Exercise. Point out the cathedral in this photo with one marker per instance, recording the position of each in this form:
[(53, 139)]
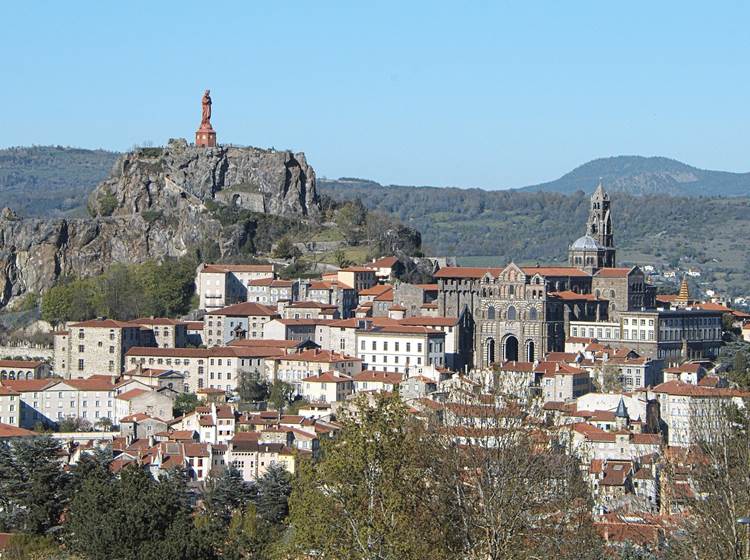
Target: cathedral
[(521, 313)]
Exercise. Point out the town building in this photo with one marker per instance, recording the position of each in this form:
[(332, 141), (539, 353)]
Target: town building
[(238, 321), (162, 332), (221, 285), (270, 291), (95, 347), (23, 369), (401, 349)]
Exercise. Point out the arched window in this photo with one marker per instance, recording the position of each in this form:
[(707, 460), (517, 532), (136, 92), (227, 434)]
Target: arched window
[(490, 312), (511, 290), (511, 313), (612, 294), (532, 314), (597, 293)]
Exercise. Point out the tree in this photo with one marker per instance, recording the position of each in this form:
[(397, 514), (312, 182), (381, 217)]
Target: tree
[(611, 379), (226, 493), (370, 496), (350, 219), (510, 497), (32, 484), (720, 477), (185, 403), (251, 388), (342, 261), (281, 394), (274, 488), (135, 517), (285, 249)]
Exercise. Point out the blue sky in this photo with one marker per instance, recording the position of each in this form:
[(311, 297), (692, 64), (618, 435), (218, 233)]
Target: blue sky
[(486, 94)]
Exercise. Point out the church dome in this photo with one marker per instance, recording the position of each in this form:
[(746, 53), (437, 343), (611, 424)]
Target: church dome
[(586, 243)]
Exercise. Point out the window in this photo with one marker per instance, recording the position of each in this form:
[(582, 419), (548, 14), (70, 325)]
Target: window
[(408, 346), (419, 346), (80, 348), (511, 313), (374, 345), (80, 365), (491, 313)]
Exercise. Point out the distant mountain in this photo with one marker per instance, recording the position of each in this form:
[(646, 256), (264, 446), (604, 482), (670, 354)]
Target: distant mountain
[(639, 175), (46, 181)]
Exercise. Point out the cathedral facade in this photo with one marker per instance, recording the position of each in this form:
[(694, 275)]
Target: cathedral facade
[(521, 313)]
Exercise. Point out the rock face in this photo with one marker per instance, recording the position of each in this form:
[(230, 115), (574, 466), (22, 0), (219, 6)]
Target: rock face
[(156, 203)]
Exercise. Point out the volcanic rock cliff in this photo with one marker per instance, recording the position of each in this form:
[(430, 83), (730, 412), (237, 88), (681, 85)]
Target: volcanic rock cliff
[(157, 203)]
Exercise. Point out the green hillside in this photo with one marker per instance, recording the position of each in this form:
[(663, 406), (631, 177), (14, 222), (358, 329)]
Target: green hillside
[(527, 226), (51, 180)]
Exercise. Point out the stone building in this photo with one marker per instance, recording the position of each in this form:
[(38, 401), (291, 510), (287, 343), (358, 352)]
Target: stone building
[(521, 313), (94, 347)]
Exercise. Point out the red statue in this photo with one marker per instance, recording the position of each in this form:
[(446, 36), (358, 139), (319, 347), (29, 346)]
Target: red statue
[(206, 113)]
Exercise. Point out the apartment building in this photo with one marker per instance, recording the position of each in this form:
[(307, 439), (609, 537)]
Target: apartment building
[(358, 277), (294, 368), (269, 291), (162, 332), (327, 387), (401, 349), (311, 310), (10, 406), (49, 401), (95, 347), (332, 292), (242, 320), (218, 367), (220, 285)]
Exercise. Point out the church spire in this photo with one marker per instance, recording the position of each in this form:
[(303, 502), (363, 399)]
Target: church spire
[(683, 298)]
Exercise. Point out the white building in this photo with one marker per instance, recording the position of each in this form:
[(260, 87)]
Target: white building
[(401, 349), (220, 285)]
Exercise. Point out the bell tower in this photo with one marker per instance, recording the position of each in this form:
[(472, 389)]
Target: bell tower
[(599, 226)]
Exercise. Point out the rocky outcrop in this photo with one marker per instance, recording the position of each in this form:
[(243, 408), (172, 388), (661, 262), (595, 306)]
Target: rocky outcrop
[(157, 203), (179, 174)]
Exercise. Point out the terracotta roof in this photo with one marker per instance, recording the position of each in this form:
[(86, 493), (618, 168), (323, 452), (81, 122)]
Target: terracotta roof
[(684, 368), (403, 329), (678, 388), (616, 473), (562, 271), (133, 393), (8, 431), (561, 356), (271, 283), (379, 377), (316, 355), (385, 262), (387, 295), (238, 268), (613, 272), (161, 321), (195, 449), (167, 352), (304, 322), (7, 391), (357, 269), (568, 295), (30, 385), (139, 417), (194, 325), (30, 364), (264, 342), (104, 324), (710, 381), (376, 290), (246, 309), (428, 287), (328, 377), (396, 307), (311, 305), (430, 321)]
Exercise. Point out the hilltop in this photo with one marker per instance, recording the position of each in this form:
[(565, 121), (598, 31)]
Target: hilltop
[(639, 175)]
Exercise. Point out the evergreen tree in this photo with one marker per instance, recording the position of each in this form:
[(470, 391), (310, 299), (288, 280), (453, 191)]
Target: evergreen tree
[(252, 389), (226, 494), (274, 489), (32, 484)]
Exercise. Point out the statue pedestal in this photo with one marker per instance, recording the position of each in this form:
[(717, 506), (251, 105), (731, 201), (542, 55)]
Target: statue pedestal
[(205, 137)]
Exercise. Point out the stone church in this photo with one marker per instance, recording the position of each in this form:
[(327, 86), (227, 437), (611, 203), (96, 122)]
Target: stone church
[(522, 313)]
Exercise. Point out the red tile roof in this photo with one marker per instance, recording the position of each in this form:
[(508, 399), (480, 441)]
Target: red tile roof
[(133, 393), (161, 321), (678, 388), (328, 377), (384, 262), (271, 282), (613, 272), (238, 268), (430, 321), (320, 356), (403, 329), (104, 324), (29, 364), (8, 431), (376, 290), (246, 309), (379, 377), (567, 295)]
